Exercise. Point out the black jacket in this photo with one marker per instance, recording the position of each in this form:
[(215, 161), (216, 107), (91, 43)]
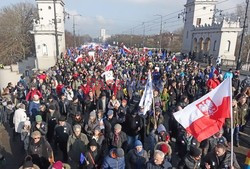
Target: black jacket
[(62, 133), (216, 162), (189, 163), (133, 125)]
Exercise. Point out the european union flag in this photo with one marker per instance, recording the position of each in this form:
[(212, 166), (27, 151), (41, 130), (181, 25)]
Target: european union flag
[(82, 158)]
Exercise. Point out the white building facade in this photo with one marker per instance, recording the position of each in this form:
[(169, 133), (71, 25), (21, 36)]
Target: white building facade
[(45, 33), (204, 36)]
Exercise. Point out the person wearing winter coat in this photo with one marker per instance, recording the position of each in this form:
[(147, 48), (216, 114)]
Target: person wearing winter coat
[(51, 120), (40, 150), (184, 142), (77, 144), (34, 107), (25, 135), (137, 157), (39, 125), (133, 126), (93, 156), (33, 91), (118, 138), (62, 132), (192, 160), (19, 118), (158, 162), (220, 158), (115, 159), (91, 124)]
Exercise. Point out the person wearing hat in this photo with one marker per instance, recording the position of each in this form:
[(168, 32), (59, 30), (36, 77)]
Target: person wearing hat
[(59, 165), (62, 132), (39, 125), (136, 157), (52, 120), (192, 159), (93, 155), (19, 118), (115, 159), (40, 150), (118, 138), (28, 164), (111, 118), (133, 125), (78, 119), (91, 124), (52, 101)]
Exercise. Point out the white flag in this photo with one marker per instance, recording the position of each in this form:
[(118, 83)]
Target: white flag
[(147, 97)]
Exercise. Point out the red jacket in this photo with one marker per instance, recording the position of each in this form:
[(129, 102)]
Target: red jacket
[(86, 89), (212, 83), (31, 94)]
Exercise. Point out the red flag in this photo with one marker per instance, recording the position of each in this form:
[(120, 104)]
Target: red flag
[(206, 116), (109, 65)]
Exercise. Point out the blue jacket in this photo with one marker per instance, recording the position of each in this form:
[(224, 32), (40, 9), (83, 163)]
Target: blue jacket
[(113, 163)]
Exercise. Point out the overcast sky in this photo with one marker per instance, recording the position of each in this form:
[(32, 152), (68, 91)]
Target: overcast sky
[(124, 16)]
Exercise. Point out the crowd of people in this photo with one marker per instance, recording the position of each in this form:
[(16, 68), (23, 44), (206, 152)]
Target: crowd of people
[(69, 116)]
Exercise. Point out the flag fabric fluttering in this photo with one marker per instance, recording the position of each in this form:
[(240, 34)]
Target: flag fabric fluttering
[(147, 97), (206, 116), (82, 158), (109, 65), (126, 50)]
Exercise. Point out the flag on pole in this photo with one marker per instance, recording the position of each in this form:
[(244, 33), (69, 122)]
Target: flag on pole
[(147, 97), (109, 78), (126, 49), (109, 65), (82, 158), (206, 116)]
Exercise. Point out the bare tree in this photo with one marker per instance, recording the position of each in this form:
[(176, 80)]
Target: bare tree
[(16, 41)]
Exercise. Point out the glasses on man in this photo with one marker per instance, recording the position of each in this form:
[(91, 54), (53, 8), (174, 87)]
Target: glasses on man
[(36, 138)]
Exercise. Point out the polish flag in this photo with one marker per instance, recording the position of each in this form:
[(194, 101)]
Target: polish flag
[(206, 116), (109, 65), (126, 49)]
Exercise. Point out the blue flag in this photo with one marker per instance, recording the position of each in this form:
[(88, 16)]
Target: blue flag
[(82, 158), (150, 53)]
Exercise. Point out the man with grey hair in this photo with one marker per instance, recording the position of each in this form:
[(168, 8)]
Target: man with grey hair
[(158, 162), (77, 144)]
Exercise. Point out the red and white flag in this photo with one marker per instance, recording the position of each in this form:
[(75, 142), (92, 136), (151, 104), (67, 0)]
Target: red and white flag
[(206, 116), (126, 49), (109, 65)]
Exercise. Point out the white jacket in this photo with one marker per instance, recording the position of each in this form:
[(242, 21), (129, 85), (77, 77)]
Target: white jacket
[(19, 118)]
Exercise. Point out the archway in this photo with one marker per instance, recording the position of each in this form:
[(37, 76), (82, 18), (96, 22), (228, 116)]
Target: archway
[(195, 45), (207, 44)]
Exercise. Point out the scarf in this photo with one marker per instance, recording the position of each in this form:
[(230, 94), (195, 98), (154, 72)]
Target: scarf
[(116, 139)]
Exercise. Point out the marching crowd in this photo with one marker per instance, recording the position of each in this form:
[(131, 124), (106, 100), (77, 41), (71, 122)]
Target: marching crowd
[(72, 110)]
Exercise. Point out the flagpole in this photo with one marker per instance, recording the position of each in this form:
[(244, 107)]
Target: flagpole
[(232, 129), (153, 101)]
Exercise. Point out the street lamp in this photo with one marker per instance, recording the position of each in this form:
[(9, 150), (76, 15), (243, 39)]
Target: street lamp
[(160, 30), (74, 26)]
